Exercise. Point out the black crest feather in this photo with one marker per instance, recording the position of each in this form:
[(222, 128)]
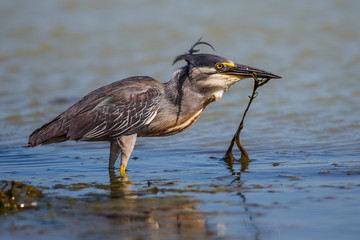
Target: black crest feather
[(191, 51)]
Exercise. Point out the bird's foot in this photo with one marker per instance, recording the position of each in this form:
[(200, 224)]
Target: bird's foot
[(123, 170)]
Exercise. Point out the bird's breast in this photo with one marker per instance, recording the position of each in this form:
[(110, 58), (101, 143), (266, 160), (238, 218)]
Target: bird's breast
[(166, 127), (168, 122), (186, 123)]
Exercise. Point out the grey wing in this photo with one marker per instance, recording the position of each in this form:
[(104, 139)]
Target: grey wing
[(116, 115)]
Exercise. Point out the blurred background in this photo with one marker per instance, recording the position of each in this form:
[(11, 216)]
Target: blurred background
[(54, 52)]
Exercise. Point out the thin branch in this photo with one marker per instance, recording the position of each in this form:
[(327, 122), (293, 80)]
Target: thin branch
[(244, 159)]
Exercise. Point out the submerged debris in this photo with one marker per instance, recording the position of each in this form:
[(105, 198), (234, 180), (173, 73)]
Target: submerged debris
[(17, 196)]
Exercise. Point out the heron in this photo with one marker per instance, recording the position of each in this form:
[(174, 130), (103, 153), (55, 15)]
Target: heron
[(142, 106)]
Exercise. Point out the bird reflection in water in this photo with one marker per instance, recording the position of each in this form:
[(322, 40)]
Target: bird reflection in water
[(140, 213)]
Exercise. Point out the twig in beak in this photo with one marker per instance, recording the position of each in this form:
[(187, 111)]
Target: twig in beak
[(244, 159)]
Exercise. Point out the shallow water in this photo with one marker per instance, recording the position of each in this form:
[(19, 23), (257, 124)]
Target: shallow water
[(302, 132)]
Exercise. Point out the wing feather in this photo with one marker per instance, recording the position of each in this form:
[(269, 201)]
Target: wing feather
[(116, 115)]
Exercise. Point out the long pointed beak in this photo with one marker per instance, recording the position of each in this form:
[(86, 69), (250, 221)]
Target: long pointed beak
[(247, 71)]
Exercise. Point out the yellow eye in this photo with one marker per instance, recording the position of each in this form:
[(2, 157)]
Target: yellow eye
[(219, 66)]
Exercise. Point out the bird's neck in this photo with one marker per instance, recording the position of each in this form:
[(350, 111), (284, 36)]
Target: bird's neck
[(180, 107), (183, 97)]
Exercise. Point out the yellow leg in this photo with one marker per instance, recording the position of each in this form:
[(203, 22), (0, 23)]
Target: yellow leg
[(123, 170)]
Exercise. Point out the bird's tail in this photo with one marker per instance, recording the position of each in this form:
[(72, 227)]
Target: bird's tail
[(50, 132)]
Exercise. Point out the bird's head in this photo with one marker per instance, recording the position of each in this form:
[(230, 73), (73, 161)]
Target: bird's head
[(213, 75)]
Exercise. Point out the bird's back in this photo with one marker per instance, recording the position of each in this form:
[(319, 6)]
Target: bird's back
[(120, 108)]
